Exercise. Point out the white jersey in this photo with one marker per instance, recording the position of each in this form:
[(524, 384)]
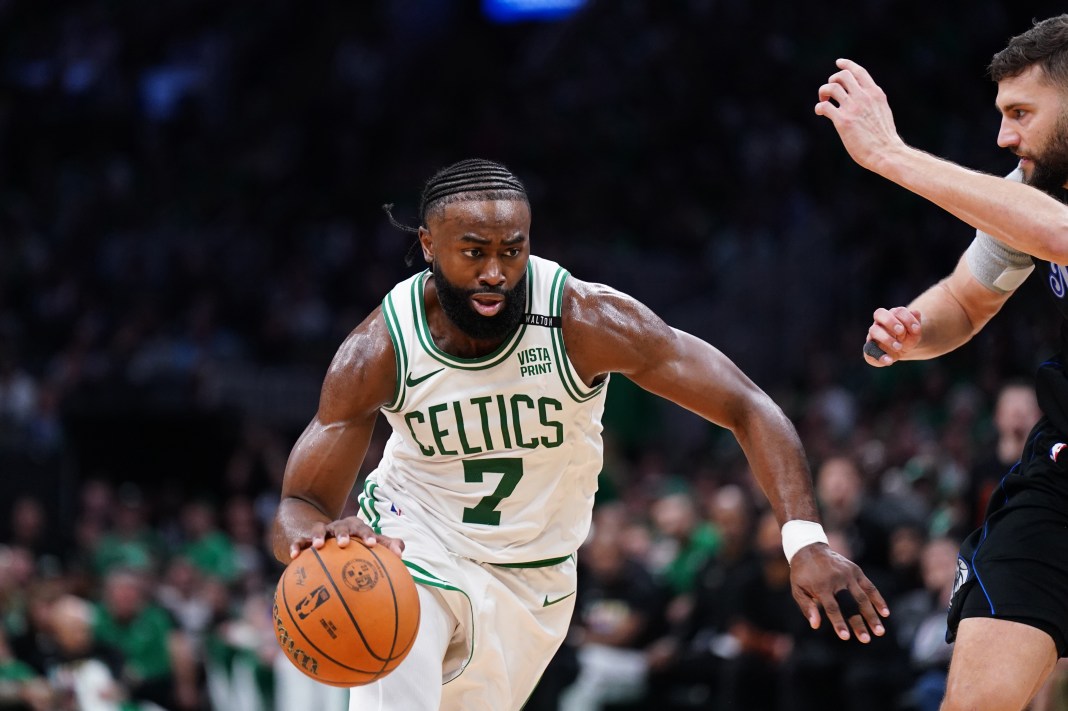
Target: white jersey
[(497, 456)]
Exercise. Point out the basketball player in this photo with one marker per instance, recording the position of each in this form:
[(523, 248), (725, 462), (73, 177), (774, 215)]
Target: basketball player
[(1009, 613), (491, 367)]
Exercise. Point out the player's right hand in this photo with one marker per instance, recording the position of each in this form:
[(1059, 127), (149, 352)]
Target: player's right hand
[(344, 530), (896, 331)]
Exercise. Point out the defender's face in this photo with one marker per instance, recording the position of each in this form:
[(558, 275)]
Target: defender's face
[(480, 249), (1034, 126)]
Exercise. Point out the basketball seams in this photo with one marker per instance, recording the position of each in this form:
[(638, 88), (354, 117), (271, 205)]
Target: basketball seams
[(396, 607), (294, 627), (352, 617), (338, 660)]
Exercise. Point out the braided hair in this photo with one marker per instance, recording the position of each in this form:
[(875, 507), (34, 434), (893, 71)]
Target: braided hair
[(471, 179)]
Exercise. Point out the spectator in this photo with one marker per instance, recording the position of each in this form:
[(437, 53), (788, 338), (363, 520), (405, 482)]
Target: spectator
[(1015, 413), (159, 663), (84, 673), (21, 687), (618, 610), (920, 619), (687, 664)]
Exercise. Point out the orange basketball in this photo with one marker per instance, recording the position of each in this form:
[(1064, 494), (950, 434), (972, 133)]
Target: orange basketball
[(346, 616)]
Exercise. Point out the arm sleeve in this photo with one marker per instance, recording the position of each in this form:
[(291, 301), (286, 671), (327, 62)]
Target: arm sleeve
[(994, 264)]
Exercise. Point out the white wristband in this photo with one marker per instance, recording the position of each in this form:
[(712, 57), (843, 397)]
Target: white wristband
[(797, 534)]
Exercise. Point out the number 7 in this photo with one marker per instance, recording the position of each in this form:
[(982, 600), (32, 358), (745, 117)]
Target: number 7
[(511, 471)]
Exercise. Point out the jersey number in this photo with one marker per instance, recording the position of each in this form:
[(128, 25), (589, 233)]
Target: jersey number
[(511, 471)]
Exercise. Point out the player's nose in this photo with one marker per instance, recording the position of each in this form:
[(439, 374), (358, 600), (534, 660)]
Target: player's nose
[(1008, 137), (492, 274)]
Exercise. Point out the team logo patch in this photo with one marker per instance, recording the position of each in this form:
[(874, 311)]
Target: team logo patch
[(359, 575), (1055, 450), (962, 575)]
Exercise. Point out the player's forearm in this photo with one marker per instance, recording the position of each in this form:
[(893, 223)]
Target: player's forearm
[(946, 324), (777, 460), (1020, 216)]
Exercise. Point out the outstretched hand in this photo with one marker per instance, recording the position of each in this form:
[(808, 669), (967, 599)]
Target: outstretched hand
[(344, 530), (858, 108), (822, 578)]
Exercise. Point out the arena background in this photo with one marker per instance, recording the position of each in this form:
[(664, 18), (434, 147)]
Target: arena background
[(190, 221)]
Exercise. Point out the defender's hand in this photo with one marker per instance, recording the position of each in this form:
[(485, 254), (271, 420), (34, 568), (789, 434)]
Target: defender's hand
[(822, 578), (344, 530), (895, 332), (858, 108)]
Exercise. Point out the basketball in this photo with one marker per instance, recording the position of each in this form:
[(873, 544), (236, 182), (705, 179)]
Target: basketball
[(346, 616)]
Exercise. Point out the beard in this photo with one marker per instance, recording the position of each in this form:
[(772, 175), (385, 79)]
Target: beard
[(456, 302), (1049, 172)]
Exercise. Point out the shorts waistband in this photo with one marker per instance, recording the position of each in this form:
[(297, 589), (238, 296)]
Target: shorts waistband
[(546, 563)]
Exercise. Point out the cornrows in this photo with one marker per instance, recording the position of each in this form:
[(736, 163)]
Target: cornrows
[(471, 179), (485, 179)]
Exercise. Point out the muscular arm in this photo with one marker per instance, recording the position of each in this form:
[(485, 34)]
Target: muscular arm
[(1018, 215), (945, 316), (606, 331), (326, 459), (952, 312)]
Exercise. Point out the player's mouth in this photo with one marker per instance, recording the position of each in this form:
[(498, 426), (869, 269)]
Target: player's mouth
[(487, 304)]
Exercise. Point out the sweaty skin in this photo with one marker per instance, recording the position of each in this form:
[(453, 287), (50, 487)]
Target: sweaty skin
[(485, 243)]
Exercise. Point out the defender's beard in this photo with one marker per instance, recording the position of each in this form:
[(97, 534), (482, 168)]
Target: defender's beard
[(456, 303), (1049, 171)]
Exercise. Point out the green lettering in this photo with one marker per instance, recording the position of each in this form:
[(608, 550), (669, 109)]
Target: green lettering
[(516, 399), (481, 402), (543, 403), (438, 430), (460, 430), (504, 421), (418, 416)]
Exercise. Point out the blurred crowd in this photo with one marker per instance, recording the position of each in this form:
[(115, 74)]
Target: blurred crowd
[(190, 223)]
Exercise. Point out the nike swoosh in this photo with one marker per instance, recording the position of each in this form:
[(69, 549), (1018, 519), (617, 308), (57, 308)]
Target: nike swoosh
[(559, 599), (412, 382)]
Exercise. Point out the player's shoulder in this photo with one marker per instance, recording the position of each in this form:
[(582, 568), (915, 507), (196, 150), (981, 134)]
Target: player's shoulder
[(601, 317), (606, 330), (365, 362), (588, 301), (367, 341)]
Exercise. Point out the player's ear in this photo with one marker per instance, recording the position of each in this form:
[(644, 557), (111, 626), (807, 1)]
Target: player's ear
[(427, 244)]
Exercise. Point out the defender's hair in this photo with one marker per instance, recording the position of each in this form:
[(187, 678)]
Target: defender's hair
[(1045, 44)]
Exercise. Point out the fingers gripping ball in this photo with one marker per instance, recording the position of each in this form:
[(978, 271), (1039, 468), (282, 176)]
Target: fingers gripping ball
[(346, 616)]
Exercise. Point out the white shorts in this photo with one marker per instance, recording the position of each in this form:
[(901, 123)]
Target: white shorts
[(486, 632)]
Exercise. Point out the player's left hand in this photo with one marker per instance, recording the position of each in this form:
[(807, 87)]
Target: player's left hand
[(822, 578)]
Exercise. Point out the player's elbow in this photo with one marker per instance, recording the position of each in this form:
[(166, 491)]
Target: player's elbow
[(753, 410)]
